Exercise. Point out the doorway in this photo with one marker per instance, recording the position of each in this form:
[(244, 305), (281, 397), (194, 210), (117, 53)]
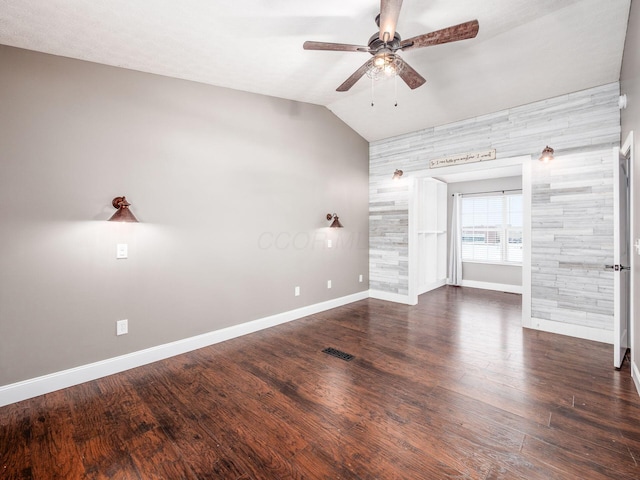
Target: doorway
[(476, 171), (622, 255)]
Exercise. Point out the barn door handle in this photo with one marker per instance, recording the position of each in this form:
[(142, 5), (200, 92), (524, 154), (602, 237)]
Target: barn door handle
[(617, 268)]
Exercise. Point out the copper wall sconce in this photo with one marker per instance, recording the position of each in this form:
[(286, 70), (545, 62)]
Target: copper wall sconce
[(397, 174), (336, 223), (123, 214), (547, 154)]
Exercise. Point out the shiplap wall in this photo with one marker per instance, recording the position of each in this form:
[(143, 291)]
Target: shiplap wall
[(572, 213), (572, 240)]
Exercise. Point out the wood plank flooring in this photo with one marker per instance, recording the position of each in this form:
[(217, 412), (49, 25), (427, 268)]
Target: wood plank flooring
[(450, 388)]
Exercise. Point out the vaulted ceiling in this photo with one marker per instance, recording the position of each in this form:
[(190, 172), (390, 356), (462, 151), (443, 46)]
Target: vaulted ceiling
[(526, 50)]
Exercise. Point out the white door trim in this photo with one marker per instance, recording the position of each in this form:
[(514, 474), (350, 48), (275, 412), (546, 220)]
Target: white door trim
[(621, 279), (627, 149)]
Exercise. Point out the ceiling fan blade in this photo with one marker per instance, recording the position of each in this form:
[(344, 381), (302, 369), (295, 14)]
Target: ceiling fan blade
[(337, 47), (446, 35), (412, 78), (389, 13), (355, 76)]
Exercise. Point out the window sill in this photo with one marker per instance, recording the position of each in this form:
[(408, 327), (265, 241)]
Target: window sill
[(506, 264)]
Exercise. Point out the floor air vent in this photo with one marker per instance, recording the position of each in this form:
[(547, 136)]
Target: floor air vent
[(337, 353)]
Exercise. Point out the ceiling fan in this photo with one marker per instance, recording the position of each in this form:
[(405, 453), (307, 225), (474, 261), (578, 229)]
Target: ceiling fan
[(383, 46)]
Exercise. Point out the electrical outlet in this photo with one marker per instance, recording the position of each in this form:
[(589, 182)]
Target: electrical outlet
[(360, 278), (329, 243), (328, 283), (297, 291), (122, 327)]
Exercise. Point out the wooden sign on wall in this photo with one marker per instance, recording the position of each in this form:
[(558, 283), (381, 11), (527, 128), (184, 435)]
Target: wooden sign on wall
[(463, 158)]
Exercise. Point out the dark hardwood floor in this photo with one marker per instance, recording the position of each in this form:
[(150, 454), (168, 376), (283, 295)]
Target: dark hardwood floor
[(451, 388)]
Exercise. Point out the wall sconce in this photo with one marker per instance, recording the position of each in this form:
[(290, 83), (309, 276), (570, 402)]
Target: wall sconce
[(336, 223), (397, 174), (547, 154), (123, 214)]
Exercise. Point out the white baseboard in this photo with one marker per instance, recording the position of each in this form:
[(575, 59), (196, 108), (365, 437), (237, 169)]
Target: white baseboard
[(498, 287), (635, 374), (391, 297), (33, 387), (571, 330)]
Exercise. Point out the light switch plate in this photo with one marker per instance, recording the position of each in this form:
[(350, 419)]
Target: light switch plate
[(122, 250), (122, 327)]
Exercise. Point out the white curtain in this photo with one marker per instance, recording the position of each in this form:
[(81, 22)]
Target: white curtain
[(455, 250)]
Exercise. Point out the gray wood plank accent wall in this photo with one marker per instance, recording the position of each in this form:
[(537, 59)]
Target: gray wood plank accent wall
[(572, 240), (572, 209)]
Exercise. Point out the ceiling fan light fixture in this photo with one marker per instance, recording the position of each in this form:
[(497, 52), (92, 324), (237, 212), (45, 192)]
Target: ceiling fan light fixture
[(384, 64)]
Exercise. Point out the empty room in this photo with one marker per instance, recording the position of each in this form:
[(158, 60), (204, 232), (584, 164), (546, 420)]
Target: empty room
[(319, 240)]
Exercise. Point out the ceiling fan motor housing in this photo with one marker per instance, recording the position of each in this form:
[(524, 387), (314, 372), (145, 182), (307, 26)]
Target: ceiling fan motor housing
[(375, 44)]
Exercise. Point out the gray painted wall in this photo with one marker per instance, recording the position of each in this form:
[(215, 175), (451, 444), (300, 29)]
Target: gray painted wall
[(231, 188), (630, 85), (482, 272), (583, 127)]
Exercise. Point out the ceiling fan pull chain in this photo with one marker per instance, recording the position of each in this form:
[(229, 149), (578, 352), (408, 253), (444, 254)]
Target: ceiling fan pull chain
[(372, 82), (395, 85)]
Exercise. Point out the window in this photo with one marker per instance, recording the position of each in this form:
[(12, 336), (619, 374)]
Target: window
[(491, 228)]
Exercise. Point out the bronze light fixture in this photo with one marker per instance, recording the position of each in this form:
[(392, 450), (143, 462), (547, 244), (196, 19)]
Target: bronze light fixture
[(123, 214), (397, 174), (547, 154), (336, 223)]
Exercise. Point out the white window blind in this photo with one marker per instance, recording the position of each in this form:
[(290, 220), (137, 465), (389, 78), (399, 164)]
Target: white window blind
[(491, 228)]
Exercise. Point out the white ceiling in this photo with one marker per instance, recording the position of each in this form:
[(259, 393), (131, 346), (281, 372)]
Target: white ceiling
[(526, 50)]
